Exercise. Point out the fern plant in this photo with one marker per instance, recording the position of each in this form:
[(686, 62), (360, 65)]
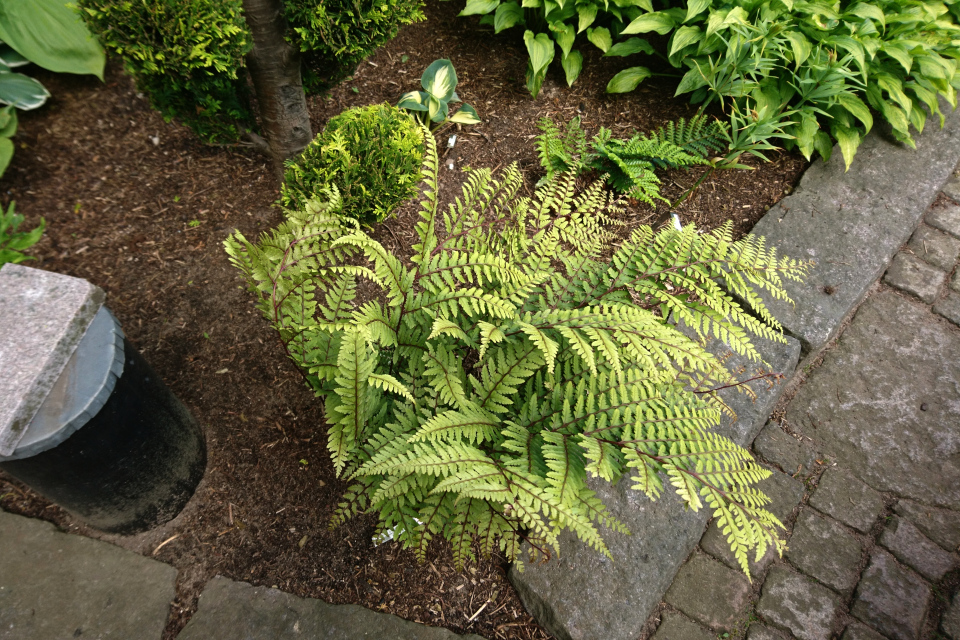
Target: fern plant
[(513, 355), (629, 164)]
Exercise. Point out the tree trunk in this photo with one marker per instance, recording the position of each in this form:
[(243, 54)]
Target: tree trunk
[(275, 70)]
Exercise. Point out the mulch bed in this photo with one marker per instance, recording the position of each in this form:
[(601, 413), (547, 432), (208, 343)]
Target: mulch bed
[(141, 208)]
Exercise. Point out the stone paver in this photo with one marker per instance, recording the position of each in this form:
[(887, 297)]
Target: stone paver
[(955, 280), (950, 622), (796, 603), (847, 499), (852, 223), (55, 585), (709, 592), (884, 402), (790, 454), (915, 550), (860, 631), (911, 274), (891, 599), (952, 187), (949, 307), (824, 550), (785, 493), (679, 627), (758, 631), (935, 247), (231, 610), (940, 525), (945, 218)]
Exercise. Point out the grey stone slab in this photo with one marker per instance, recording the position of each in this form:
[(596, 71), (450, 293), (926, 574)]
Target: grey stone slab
[(860, 631), (891, 599), (675, 626), (935, 247), (909, 273), (949, 307), (785, 494), (852, 223), (952, 188), (843, 496), (758, 631), (824, 550), (946, 218), (710, 593), (955, 280), (42, 317), (797, 604), (885, 402), (940, 525), (231, 610), (582, 594), (915, 550), (55, 585), (795, 456), (950, 622)]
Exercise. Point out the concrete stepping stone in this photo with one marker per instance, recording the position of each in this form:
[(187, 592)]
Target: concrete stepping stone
[(679, 627), (935, 247), (860, 631), (884, 403), (795, 603), (841, 495), (794, 456), (231, 610), (824, 550), (915, 550), (890, 598), (852, 223), (940, 525), (56, 585), (710, 593), (918, 278)]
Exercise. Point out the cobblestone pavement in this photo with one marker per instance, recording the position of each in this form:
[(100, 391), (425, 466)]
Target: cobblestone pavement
[(866, 476)]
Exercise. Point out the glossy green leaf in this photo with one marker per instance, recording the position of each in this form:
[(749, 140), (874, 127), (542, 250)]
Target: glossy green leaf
[(899, 52), (508, 14), (6, 153), (21, 91), (8, 121), (849, 141), (683, 37), (857, 108), (572, 64), (564, 35), (465, 115), (658, 21), (691, 81), (871, 11), (10, 57), (541, 50), (600, 37), (587, 14), (695, 8), (629, 47), (479, 7), (50, 34), (440, 80), (800, 46), (627, 80), (415, 101)]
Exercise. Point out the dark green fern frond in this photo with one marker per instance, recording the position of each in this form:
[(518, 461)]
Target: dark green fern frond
[(561, 151), (701, 136)]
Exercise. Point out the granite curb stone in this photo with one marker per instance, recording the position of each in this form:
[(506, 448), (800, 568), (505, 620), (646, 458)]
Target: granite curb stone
[(824, 550), (230, 610), (851, 223), (675, 626), (57, 585), (915, 550), (728, 592), (842, 496), (909, 273), (935, 247), (890, 598), (940, 525), (797, 604)]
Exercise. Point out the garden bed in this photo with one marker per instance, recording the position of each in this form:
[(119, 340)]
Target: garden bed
[(140, 208)]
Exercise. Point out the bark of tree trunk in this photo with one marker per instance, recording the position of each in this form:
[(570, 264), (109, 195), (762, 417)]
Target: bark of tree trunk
[(275, 70)]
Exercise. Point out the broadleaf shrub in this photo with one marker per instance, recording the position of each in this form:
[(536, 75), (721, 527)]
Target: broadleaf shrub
[(372, 155), (186, 56), (516, 353)]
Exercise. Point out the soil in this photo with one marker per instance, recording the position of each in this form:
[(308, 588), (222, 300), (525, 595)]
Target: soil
[(140, 208)]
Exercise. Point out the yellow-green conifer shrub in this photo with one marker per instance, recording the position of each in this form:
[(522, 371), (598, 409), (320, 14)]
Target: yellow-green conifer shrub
[(516, 353)]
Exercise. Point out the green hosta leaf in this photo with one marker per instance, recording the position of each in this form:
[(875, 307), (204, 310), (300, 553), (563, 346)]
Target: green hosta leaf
[(50, 34), (691, 81), (11, 58), (683, 37), (627, 80), (572, 64), (540, 48), (659, 21), (849, 140), (800, 45), (479, 7), (857, 108), (415, 101), (437, 110), (805, 132), (587, 14), (899, 52), (508, 14), (440, 80), (695, 8), (465, 115), (6, 153), (894, 87), (629, 47), (564, 35), (871, 11), (8, 121), (600, 37), (22, 91), (823, 145), (531, 4)]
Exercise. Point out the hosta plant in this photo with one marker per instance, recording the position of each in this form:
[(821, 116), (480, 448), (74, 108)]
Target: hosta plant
[(13, 241), (432, 105), (514, 355)]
